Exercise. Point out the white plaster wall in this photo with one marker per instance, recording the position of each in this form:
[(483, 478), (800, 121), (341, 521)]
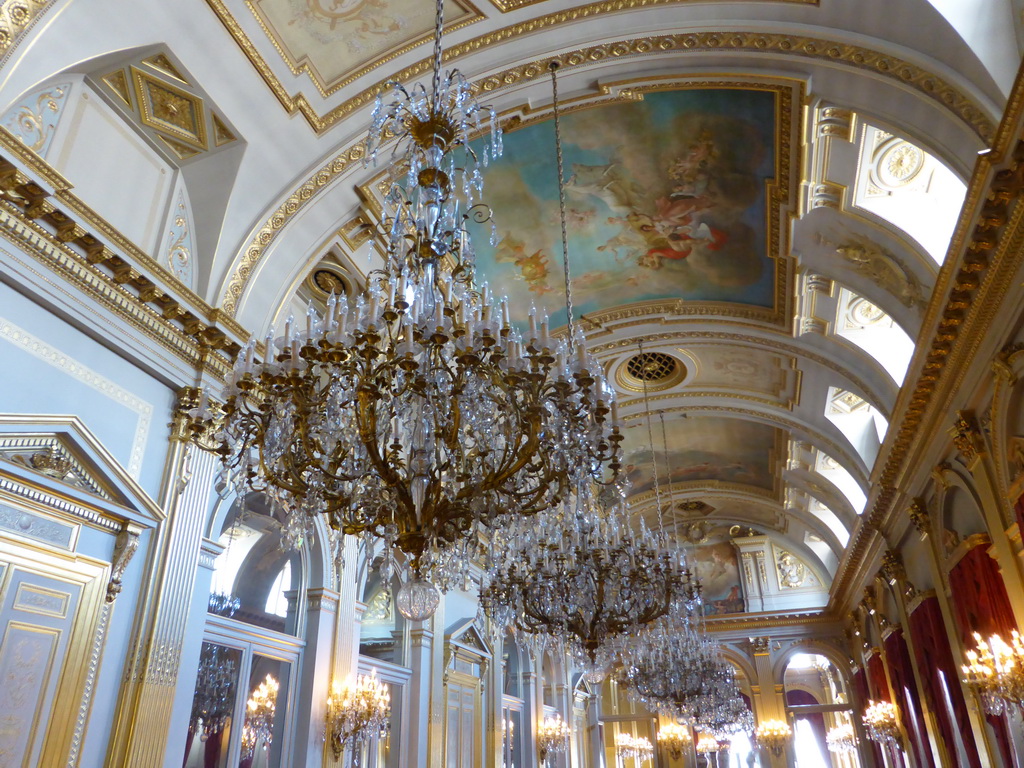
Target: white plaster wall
[(113, 170)]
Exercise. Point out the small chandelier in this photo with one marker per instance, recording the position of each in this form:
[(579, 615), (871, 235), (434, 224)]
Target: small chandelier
[(416, 412), (552, 737), (214, 696), (773, 735), (675, 738), (995, 669), (258, 727), (636, 747), (881, 719), (709, 745), (357, 712), (579, 579), (841, 739)]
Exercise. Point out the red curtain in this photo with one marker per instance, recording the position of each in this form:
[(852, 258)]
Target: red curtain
[(940, 681), (860, 684), (902, 675), (876, 679), (982, 605)]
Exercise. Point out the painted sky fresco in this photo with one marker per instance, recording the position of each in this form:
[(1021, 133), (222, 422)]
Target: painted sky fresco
[(665, 199), (700, 449)]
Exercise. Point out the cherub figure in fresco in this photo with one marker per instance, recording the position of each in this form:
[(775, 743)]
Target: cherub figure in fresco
[(691, 172), (533, 268)]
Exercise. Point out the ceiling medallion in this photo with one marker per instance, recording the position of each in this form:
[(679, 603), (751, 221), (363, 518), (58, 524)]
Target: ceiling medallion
[(657, 371), (169, 110)]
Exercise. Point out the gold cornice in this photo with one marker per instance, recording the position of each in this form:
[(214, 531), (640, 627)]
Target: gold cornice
[(65, 244), (16, 19), (986, 251), (769, 621), (878, 64)]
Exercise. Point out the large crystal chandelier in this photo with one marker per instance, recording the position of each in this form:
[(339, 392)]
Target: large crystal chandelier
[(417, 412), (995, 669), (357, 712), (214, 695), (582, 579)]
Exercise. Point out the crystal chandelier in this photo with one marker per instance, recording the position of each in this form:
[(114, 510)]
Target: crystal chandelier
[(881, 720), (841, 739), (579, 578), (675, 738), (417, 412), (214, 696), (258, 726), (636, 747), (773, 735), (708, 745), (995, 669), (552, 737), (582, 580), (357, 712)]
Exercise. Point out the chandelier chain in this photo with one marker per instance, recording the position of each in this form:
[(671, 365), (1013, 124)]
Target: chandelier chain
[(435, 83), (650, 438), (570, 320)]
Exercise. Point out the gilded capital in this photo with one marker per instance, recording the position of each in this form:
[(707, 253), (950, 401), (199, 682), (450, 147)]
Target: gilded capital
[(892, 567), (919, 516), (967, 436)]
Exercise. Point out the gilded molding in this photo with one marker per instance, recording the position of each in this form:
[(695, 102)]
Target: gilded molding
[(47, 500), (879, 65), (76, 231), (125, 546), (16, 18), (85, 705)]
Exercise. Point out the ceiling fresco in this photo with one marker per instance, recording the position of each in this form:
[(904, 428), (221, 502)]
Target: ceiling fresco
[(667, 198), (330, 39), (704, 450)]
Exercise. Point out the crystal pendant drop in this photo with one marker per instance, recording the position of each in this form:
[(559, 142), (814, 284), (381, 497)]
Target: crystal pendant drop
[(417, 600)]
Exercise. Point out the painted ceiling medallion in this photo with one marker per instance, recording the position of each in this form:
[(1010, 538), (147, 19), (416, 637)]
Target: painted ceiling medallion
[(657, 370), (169, 110)]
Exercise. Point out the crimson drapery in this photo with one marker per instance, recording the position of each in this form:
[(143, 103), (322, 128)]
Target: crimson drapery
[(860, 685), (876, 679), (941, 683), (981, 605), (907, 698)]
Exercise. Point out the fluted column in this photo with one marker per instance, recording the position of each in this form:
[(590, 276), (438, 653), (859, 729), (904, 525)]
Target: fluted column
[(143, 734), (314, 680)]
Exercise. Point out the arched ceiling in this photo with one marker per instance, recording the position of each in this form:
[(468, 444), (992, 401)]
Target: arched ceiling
[(748, 181)]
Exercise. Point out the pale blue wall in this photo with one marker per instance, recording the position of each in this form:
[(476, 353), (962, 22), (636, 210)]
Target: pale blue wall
[(60, 370)]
